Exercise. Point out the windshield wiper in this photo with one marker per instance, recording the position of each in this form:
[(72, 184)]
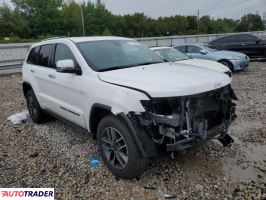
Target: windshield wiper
[(111, 68), (126, 66), (150, 63)]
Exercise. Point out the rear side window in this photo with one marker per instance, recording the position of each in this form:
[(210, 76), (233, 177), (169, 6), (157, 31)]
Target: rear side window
[(246, 38), (217, 41), (181, 48), (33, 56), (45, 58), (233, 38)]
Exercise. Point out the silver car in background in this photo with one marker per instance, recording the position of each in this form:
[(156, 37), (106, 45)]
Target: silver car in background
[(235, 61)]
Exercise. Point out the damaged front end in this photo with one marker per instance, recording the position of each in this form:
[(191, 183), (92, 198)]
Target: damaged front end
[(178, 123)]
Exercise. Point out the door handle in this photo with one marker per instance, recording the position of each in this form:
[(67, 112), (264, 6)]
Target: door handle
[(33, 71), (243, 44), (51, 76)]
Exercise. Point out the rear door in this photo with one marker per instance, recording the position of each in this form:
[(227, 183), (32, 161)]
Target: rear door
[(248, 45), (228, 43), (242, 43), (41, 68)]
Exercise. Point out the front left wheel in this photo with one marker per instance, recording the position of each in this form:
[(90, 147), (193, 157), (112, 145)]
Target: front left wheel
[(118, 149)]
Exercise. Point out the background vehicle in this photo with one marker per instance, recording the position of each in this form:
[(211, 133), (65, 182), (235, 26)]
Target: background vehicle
[(233, 60), (250, 45), (137, 105), (175, 55)]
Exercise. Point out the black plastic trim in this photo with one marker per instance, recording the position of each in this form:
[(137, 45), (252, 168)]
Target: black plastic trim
[(69, 111), (134, 134), (71, 124), (97, 105)]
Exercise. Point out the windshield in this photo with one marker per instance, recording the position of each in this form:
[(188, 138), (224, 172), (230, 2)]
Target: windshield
[(171, 54), (208, 48), (108, 55)]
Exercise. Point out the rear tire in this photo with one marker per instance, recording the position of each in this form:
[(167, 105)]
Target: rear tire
[(36, 113), (227, 64), (118, 149)]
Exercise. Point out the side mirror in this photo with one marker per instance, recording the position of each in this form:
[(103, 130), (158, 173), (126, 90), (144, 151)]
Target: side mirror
[(65, 66), (204, 52), (258, 41)]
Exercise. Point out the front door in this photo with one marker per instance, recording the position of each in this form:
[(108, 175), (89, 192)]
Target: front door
[(67, 89)]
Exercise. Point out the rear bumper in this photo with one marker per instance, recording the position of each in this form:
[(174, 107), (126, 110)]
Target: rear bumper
[(240, 64)]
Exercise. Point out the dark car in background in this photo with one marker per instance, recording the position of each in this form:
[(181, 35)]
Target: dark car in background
[(248, 44)]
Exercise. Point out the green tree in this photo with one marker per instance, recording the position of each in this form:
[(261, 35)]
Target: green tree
[(71, 19), (107, 32), (250, 22), (43, 16), (11, 22)]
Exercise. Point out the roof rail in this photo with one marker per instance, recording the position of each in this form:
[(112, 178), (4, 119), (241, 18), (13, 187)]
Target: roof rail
[(57, 37)]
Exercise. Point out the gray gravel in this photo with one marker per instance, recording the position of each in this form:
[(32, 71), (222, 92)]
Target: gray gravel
[(53, 155)]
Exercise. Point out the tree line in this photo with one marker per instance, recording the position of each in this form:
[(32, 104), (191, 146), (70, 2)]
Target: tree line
[(37, 19)]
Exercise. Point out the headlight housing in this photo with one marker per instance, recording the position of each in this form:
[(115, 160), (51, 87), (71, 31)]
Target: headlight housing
[(237, 58)]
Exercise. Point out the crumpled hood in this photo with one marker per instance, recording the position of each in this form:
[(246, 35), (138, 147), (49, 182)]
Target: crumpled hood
[(229, 53), (208, 64), (167, 79)]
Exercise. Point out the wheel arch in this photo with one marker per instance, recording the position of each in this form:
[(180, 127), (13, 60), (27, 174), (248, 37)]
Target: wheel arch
[(26, 87), (231, 67), (97, 113)]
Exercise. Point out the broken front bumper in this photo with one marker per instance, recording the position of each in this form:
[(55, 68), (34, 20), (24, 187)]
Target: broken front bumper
[(218, 132), (179, 123)]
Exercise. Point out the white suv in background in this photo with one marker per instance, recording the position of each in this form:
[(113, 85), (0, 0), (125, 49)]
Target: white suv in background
[(136, 104)]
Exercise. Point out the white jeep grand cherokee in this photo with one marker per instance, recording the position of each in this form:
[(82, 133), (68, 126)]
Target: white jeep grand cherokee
[(136, 104)]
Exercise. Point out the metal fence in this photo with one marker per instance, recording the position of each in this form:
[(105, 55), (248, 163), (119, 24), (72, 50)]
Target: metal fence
[(13, 55), (187, 39)]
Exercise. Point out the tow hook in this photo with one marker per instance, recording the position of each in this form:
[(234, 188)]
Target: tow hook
[(226, 140)]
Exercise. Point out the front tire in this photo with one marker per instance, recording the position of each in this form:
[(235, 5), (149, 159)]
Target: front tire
[(227, 64), (118, 149), (36, 113)]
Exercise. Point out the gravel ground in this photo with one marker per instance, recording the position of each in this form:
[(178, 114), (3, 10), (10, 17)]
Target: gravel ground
[(53, 155)]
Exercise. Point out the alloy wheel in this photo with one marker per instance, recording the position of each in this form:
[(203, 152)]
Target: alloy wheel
[(114, 147)]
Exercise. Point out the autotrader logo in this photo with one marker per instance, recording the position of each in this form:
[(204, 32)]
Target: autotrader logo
[(27, 193)]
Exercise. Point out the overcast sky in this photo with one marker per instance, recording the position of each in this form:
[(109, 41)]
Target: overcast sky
[(215, 8)]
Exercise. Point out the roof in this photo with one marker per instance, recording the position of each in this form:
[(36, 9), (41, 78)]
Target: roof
[(194, 44), (96, 38), (79, 39)]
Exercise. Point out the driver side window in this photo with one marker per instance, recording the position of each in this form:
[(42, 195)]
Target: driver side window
[(63, 52), (193, 49)]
